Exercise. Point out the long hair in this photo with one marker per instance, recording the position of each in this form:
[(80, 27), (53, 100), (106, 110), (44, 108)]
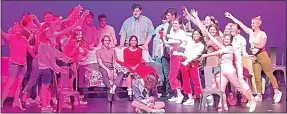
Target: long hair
[(133, 36), (216, 27)]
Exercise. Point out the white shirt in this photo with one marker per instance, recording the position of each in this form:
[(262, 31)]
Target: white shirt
[(238, 43), (226, 55), (177, 37), (193, 50)]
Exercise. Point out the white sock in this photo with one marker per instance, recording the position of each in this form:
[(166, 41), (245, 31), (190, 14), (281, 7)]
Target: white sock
[(178, 91)]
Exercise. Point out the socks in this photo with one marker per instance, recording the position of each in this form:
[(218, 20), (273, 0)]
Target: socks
[(178, 91)]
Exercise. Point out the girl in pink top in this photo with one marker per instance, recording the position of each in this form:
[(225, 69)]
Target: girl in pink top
[(18, 45)]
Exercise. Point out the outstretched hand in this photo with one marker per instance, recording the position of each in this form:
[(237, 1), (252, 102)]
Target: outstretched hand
[(194, 13), (228, 15)]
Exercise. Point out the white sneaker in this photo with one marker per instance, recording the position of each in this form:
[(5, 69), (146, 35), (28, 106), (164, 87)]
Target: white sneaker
[(179, 99), (248, 104), (252, 106), (277, 97), (258, 98), (210, 100), (189, 102), (172, 99)]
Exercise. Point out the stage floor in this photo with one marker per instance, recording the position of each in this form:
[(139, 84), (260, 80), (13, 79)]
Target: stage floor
[(101, 105)]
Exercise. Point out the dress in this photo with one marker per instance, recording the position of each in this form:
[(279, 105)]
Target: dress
[(133, 58)]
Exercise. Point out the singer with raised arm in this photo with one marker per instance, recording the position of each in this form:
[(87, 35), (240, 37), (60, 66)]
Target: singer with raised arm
[(19, 47), (228, 72), (258, 40), (106, 58)]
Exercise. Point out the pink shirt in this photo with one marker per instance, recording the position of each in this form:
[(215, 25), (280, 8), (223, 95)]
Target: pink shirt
[(18, 49)]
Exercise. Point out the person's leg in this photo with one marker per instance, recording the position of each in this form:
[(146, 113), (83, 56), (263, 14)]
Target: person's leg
[(141, 106), (223, 81), (165, 69), (265, 62), (21, 73), (194, 73), (257, 75), (174, 71), (45, 90), (12, 75)]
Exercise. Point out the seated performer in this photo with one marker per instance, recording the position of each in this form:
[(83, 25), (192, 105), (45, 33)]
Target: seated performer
[(107, 58), (134, 62), (142, 89)]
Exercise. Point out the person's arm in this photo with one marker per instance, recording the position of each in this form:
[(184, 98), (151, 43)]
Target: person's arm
[(5, 35), (244, 27), (37, 21), (30, 51), (113, 34), (150, 29), (123, 33), (214, 40), (263, 41), (60, 55)]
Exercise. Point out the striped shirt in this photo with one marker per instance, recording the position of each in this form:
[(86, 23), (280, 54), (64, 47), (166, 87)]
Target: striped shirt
[(141, 28)]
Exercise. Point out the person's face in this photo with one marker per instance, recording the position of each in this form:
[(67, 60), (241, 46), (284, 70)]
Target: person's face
[(207, 21), (133, 42), (212, 31), (79, 36), (137, 13), (17, 28), (176, 25), (255, 24), (234, 30), (103, 22), (48, 34), (89, 19), (48, 18), (170, 17), (227, 29), (227, 40), (107, 41), (196, 35)]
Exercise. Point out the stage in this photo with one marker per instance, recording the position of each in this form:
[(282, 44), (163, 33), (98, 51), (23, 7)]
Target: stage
[(101, 105)]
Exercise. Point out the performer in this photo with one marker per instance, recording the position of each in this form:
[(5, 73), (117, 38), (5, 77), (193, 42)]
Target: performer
[(257, 40), (143, 88), (107, 57), (213, 61), (19, 47), (228, 72), (105, 29), (189, 67), (176, 38), (138, 25), (134, 62)]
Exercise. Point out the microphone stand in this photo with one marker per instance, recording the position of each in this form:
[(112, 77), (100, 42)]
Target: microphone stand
[(113, 80)]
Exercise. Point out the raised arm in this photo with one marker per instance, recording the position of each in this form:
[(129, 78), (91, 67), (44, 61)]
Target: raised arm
[(6, 35), (245, 28), (215, 41)]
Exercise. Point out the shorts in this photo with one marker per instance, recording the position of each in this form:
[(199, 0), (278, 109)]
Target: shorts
[(17, 70), (47, 75)]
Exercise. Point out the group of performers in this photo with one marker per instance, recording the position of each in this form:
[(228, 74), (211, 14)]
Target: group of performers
[(40, 50)]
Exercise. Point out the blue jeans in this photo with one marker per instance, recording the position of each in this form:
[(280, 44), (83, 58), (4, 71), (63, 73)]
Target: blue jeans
[(34, 78), (165, 66)]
